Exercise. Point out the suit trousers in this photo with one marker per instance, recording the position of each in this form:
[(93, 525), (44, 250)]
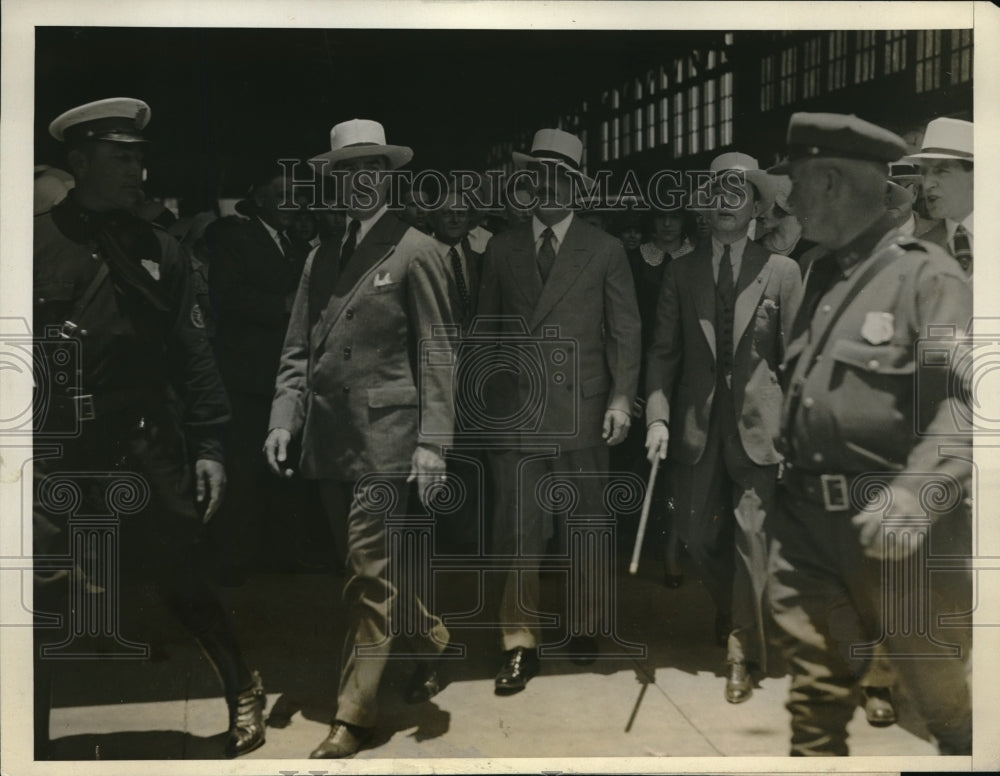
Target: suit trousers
[(722, 503), (827, 596), (522, 525), (376, 606)]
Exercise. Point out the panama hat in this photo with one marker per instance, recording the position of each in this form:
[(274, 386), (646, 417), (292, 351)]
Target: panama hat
[(554, 145), (946, 139), (361, 137), (765, 184)]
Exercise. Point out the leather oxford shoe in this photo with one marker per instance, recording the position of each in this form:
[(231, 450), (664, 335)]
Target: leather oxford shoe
[(343, 740), (520, 664), (879, 710), (739, 688), (246, 719), (426, 681)]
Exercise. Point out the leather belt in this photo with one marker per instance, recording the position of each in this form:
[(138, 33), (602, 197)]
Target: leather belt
[(91, 406), (831, 490)]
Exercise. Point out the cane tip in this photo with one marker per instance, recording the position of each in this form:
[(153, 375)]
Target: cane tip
[(633, 568)]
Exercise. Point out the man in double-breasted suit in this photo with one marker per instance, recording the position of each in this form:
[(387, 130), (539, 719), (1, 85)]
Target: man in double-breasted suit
[(349, 388), (714, 403), (558, 279)]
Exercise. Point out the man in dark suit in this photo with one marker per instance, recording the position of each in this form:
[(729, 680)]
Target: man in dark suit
[(713, 395), (555, 272), (254, 270), (347, 387), (946, 164)]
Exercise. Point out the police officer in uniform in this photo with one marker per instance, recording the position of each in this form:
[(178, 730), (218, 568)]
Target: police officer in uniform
[(865, 469), (123, 288)]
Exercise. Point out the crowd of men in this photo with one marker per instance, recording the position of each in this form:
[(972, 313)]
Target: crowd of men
[(262, 370)]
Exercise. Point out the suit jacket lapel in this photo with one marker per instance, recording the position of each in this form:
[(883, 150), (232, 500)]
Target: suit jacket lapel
[(574, 254), (754, 271), (376, 246), (703, 291)]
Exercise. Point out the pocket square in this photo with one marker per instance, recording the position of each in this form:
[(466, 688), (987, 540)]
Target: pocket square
[(382, 279)]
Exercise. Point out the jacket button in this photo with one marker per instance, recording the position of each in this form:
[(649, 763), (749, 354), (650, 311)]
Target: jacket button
[(347, 353), (349, 313), (347, 389), (808, 401), (873, 364), (818, 457)]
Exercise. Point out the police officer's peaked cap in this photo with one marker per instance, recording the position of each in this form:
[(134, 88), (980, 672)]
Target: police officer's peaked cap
[(841, 136), (116, 119)]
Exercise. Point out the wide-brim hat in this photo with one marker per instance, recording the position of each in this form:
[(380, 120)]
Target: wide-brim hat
[(114, 120), (765, 184), (361, 137), (563, 149), (946, 139)]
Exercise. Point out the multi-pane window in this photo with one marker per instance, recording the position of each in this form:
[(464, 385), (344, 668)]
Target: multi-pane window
[(812, 58), (768, 83), (605, 138), (693, 124), (928, 72), (678, 125), (864, 56), (836, 73), (726, 134), (895, 51), (789, 71), (626, 137), (961, 56), (664, 120), (711, 107)]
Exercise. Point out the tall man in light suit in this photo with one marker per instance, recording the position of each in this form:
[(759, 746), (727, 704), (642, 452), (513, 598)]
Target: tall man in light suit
[(554, 270), (348, 389), (714, 404)]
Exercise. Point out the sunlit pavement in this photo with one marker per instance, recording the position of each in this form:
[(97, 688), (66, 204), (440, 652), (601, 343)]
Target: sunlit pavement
[(668, 703)]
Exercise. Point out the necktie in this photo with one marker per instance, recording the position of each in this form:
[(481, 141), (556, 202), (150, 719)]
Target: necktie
[(463, 289), (546, 254), (725, 282), (962, 250), (724, 292), (347, 249)]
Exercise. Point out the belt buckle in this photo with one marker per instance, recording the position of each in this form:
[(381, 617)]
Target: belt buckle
[(835, 496), (84, 407)]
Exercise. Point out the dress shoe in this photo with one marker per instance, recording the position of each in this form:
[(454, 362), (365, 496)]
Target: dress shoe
[(520, 664), (879, 710), (673, 581), (343, 740), (739, 688), (246, 719), (583, 650), (426, 681)]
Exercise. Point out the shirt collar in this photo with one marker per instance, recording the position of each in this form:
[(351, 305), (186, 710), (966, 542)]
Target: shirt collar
[(860, 248), (366, 225), (951, 226), (558, 230)]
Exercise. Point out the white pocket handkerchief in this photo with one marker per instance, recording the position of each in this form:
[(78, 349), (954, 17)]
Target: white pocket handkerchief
[(382, 279)]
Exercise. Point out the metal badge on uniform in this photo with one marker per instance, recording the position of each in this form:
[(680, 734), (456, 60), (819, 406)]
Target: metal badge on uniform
[(877, 328), (152, 268), (197, 317)]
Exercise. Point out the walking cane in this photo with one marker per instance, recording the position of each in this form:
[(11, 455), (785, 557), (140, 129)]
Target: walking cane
[(646, 503)]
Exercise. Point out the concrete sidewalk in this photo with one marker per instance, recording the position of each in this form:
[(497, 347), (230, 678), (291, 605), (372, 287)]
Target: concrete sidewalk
[(668, 703)]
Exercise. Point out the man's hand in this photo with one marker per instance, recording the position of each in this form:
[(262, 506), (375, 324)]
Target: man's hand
[(426, 467), (276, 450), (616, 425), (210, 479), (903, 540), (657, 437)]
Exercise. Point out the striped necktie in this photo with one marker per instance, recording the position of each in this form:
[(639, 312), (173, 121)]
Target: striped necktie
[(961, 249), (546, 254)]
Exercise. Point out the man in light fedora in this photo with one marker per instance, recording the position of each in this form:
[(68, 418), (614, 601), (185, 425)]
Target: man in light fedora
[(945, 161), (349, 392), (553, 275), (714, 402)]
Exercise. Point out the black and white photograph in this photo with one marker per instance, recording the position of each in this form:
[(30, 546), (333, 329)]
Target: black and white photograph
[(522, 387)]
